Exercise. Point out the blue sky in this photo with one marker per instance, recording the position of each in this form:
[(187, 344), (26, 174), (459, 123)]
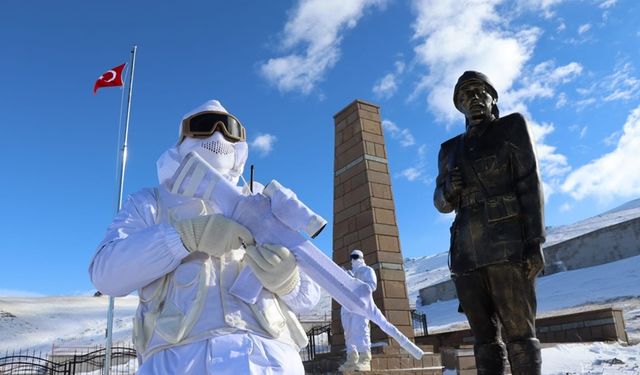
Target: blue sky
[(285, 68)]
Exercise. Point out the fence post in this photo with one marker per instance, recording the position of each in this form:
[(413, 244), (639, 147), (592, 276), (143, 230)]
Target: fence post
[(424, 324), (73, 371)]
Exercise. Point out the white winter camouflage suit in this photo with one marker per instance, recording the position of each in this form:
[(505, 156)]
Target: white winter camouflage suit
[(356, 327), (187, 321)]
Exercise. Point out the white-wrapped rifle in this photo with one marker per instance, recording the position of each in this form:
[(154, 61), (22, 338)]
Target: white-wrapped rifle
[(276, 216)]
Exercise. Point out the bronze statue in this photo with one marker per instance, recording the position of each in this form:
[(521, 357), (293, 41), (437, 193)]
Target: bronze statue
[(489, 176)]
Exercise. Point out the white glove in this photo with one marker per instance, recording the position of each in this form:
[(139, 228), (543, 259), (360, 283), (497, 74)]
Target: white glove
[(275, 266), (212, 234)]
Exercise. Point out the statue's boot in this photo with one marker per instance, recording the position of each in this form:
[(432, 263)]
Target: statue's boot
[(525, 357), (351, 362), (364, 363), (490, 358)]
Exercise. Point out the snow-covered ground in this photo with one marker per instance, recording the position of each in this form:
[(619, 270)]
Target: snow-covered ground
[(614, 284), (605, 284), (595, 358), (41, 323), (425, 271)]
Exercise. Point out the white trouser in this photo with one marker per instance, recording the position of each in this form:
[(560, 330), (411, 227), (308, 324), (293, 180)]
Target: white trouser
[(356, 331), (232, 354)]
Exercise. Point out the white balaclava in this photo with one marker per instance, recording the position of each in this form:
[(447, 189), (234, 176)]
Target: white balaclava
[(357, 263), (226, 157)]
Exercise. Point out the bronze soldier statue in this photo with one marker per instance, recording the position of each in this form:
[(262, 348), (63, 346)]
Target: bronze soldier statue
[(489, 176)]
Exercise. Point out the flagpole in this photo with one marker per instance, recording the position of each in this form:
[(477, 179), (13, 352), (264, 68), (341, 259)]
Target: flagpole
[(123, 164)]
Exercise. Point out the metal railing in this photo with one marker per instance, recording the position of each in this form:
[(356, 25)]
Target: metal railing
[(319, 342), (419, 323), (28, 362)]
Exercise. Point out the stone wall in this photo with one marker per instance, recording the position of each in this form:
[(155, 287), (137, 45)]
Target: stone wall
[(601, 246)]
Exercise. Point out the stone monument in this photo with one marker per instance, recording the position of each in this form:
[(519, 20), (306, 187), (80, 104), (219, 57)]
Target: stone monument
[(364, 215)]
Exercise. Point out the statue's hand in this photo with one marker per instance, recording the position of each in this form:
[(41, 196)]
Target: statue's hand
[(534, 259), (453, 184)]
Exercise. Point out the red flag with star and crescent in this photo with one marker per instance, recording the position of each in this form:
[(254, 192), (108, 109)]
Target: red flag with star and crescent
[(112, 77)]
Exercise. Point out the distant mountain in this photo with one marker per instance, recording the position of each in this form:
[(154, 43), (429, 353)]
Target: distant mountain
[(42, 323), (624, 207), (625, 212)]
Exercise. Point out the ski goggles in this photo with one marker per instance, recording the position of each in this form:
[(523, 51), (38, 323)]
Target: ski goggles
[(354, 256), (204, 125)]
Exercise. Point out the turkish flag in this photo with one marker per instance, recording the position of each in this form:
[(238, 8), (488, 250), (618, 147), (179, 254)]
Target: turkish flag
[(112, 77)]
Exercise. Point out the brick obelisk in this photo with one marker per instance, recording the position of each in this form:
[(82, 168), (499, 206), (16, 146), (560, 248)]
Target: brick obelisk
[(364, 216)]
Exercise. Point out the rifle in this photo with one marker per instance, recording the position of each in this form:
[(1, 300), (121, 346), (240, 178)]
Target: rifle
[(277, 216)]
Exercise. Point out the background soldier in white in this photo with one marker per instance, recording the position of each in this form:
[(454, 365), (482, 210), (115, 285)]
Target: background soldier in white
[(357, 333)]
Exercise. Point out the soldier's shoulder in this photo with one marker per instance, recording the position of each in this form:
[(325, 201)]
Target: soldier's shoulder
[(514, 122), (515, 119), (450, 142)]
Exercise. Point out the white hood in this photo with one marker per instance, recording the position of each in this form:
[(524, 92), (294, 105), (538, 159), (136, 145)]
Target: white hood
[(169, 161)]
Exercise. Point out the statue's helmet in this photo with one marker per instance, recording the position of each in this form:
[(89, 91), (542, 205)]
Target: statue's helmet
[(471, 76)]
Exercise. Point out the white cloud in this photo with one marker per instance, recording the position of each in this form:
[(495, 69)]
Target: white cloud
[(543, 6), (584, 28), (562, 100), (417, 171), (614, 174), (561, 27), (582, 131), (312, 35), (619, 85), (612, 139), (606, 4), (402, 135), (264, 143), (552, 164), (565, 207), (411, 174), (541, 82), (422, 151), (584, 103), (454, 36), (387, 86)]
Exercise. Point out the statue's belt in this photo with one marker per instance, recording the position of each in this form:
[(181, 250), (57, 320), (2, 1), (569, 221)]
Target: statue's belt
[(476, 198)]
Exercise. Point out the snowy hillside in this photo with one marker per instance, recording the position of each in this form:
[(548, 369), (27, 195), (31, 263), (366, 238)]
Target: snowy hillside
[(41, 322), (627, 211), (607, 284), (424, 271), (437, 268)]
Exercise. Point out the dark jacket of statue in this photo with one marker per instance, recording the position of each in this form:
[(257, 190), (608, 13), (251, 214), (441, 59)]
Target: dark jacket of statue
[(500, 208)]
